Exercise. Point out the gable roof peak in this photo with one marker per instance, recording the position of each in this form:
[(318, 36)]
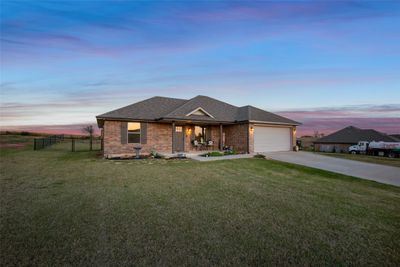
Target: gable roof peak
[(352, 127), (199, 111)]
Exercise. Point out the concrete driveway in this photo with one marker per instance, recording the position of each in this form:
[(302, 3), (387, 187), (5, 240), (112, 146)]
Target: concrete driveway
[(376, 172)]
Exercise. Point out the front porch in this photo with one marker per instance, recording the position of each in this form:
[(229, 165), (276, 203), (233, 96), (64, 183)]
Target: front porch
[(197, 138)]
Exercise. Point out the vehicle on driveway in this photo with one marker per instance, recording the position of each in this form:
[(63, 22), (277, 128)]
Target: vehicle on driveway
[(388, 149)]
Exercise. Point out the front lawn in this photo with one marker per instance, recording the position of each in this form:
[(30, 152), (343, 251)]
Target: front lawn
[(65, 208), (366, 158)]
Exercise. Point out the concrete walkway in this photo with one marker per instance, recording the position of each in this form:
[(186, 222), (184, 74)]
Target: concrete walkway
[(375, 172)]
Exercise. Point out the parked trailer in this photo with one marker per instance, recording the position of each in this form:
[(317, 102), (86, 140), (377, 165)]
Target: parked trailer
[(388, 149)]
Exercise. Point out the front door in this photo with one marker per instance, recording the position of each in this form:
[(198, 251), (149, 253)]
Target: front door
[(179, 139)]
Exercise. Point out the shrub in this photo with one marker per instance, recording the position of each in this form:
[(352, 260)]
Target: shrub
[(230, 152), (156, 155), (259, 156), (159, 156), (214, 154)]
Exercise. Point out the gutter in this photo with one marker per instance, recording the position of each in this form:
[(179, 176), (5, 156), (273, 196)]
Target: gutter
[(202, 121), (277, 123)]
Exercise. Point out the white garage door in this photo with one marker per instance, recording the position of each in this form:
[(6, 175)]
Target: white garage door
[(270, 139)]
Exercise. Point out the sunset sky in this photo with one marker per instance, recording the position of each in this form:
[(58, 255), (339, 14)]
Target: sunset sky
[(325, 64)]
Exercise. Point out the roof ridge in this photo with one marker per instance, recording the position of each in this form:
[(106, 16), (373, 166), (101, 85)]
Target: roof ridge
[(214, 99), (187, 102), (166, 97), (193, 98), (248, 112)]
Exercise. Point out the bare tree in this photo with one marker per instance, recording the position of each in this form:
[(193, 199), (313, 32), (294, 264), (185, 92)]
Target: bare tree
[(90, 131)]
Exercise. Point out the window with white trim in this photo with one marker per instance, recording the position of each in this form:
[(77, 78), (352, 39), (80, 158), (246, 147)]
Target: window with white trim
[(134, 132)]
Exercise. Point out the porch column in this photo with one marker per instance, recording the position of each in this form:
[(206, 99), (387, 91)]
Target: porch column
[(173, 137), (220, 137)]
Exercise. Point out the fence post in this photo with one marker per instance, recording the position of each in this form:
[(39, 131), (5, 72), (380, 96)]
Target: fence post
[(91, 143), (34, 144), (73, 145)]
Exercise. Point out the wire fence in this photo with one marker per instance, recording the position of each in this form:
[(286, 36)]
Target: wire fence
[(40, 143), (78, 144), (71, 143)]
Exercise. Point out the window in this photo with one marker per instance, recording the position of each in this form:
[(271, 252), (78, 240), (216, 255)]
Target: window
[(178, 129), (200, 134), (134, 132)]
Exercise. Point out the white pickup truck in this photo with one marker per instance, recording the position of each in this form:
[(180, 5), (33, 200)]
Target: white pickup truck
[(389, 149)]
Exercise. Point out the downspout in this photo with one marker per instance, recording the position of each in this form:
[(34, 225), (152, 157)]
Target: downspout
[(173, 137), (248, 138), (221, 144)]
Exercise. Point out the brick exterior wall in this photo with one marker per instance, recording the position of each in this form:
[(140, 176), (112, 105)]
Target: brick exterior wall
[(236, 136), (338, 148), (159, 138), (215, 137)]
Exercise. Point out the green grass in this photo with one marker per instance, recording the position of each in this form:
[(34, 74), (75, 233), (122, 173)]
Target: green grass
[(214, 154), (65, 208), (219, 154), (17, 139), (365, 158)]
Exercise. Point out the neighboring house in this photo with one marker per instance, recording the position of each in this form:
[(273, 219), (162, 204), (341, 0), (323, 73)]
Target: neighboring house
[(306, 142), (170, 125), (340, 141)]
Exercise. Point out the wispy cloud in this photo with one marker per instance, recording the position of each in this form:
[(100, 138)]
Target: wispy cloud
[(65, 62), (385, 118)]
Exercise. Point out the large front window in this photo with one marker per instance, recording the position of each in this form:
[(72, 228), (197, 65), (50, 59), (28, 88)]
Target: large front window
[(200, 134), (134, 132)]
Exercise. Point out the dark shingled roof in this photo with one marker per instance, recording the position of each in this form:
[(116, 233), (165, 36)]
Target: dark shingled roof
[(256, 114), (165, 108), (149, 109), (352, 135), (221, 111)]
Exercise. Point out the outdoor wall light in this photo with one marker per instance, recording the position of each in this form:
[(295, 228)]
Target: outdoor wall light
[(251, 129)]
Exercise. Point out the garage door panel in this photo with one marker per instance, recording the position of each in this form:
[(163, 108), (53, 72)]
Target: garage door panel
[(271, 139)]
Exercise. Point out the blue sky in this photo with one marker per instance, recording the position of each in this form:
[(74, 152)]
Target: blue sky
[(327, 64)]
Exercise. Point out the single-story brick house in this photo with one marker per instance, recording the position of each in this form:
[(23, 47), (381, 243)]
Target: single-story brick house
[(341, 140), (170, 125)]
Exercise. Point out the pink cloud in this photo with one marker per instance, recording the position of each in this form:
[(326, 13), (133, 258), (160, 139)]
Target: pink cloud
[(74, 129), (385, 118)]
